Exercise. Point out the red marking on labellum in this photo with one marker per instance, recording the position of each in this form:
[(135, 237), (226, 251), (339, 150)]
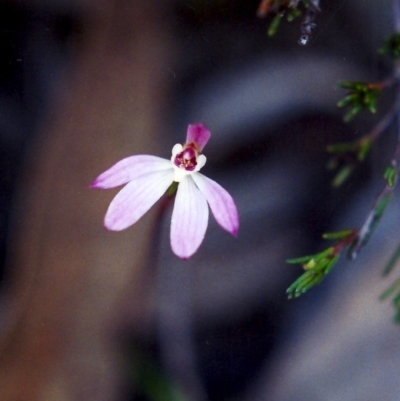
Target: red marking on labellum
[(187, 159)]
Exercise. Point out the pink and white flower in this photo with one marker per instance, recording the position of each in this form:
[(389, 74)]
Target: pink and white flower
[(147, 178)]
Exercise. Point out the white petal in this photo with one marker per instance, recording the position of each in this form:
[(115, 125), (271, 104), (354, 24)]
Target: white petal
[(189, 219), (175, 150), (201, 162), (221, 203), (136, 198), (129, 169)]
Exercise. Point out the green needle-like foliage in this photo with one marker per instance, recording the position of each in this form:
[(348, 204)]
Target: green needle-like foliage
[(346, 156), (319, 265), (274, 25), (315, 272), (392, 262), (342, 175), (361, 95), (390, 176), (344, 234), (394, 289), (280, 9), (391, 46), (291, 14)]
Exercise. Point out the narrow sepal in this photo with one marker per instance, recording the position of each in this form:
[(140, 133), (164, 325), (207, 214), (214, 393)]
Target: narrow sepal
[(199, 134), (221, 203)]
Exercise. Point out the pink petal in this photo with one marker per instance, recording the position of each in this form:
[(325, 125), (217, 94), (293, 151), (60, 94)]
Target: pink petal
[(199, 134), (136, 198), (189, 219), (129, 169), (221, 203)]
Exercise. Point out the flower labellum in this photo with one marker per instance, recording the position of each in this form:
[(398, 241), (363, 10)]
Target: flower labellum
[(147, 178)]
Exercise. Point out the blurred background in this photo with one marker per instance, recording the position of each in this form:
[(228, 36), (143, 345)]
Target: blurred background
[(87, 314)]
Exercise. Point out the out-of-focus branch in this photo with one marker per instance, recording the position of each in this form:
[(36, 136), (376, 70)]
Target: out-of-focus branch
[(396, 15), (73, 283)]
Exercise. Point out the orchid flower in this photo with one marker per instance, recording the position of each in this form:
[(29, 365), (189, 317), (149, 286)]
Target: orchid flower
[(147, 178)]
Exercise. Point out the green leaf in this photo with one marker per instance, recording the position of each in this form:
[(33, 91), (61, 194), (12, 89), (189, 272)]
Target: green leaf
[(338, 234), (364, 148), (347, 100), (390, 175), (343, 174), (380, 208), (397, 317), (316, 257), (352, 113), (340, 147), (273, 27), (301, 260), (391, 46), (372, 106), (392, 262), (292, 14), (395, 287), (352, 85)]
